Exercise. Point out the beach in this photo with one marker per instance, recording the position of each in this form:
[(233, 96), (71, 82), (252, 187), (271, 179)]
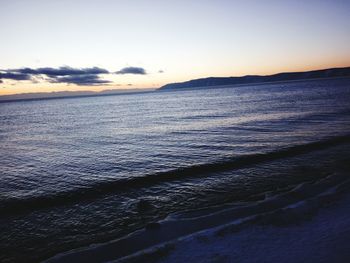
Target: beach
[(322, 238), (307, 223)]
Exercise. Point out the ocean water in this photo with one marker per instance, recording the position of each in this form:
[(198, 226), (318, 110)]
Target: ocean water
[(79, 171)]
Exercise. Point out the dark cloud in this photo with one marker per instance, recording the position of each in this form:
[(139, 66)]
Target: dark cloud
[(132, 70), (14, 76), (82, 80), (161, 71), (62, 71), (78, 76)]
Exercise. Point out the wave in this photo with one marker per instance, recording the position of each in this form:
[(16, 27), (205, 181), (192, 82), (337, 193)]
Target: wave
[(290, 207), (11, 206)]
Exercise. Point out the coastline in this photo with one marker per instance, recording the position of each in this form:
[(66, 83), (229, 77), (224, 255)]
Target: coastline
[(322, 238), (315, 213)]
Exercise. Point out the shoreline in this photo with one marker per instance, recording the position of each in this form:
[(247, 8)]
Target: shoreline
[(168, 236), (322, 238)]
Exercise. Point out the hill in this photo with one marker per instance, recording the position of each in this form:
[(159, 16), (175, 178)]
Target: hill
[(288, 76)]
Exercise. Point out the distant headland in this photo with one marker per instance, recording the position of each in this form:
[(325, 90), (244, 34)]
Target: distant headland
[(69, 94), (249, 79)]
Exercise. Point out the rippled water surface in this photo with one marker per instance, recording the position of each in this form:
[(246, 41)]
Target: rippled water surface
[(73, 170)]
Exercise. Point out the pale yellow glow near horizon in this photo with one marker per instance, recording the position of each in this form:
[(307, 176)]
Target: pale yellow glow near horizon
[(154, 81)]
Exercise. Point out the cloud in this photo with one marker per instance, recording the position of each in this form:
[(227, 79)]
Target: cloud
[(66, 74), (61, 71), (132, 70), (161, 71), (81, 80), (78, 76), (14, 76)]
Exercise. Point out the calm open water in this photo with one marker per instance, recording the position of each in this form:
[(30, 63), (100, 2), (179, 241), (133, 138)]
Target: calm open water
[(73, 171)]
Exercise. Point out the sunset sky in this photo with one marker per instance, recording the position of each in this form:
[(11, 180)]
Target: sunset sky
[(107, 44)]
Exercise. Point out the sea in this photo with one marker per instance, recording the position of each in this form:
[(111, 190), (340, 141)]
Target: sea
[(86, 170)]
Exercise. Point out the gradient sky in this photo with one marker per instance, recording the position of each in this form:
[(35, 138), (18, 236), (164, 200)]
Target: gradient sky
[(172, 41)]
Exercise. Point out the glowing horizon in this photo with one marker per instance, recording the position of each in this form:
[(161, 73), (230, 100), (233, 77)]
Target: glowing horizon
[(171, 42)]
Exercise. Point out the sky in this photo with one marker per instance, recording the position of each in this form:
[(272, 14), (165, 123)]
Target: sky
[(50, 45)]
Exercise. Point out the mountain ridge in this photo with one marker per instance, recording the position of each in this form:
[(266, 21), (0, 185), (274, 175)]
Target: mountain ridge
[(254, 79)]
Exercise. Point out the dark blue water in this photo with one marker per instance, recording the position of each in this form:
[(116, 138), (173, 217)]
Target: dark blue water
[(74, 170)]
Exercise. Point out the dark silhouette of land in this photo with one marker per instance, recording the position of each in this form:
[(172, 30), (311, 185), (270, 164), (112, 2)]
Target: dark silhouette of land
[(69, 94), (196, 83), (249, 79)]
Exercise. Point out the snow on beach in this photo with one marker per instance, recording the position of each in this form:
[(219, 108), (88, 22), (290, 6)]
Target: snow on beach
[(308, 223), (326, 238), (303, 237)]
